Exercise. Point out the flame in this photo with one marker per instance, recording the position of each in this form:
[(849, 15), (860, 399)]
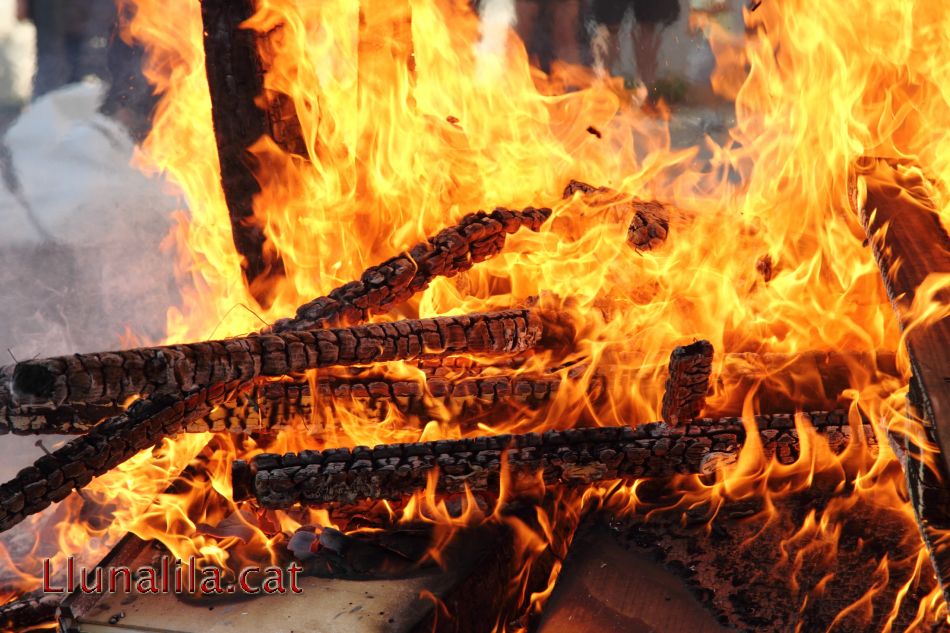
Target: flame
[(410, 120)]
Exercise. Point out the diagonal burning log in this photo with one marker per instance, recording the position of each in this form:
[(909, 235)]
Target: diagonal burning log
[(688, 382), (650, 221), (143, 425), (575, 456), (477, 237), (115, 376)]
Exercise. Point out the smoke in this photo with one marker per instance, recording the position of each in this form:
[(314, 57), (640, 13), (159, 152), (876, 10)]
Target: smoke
[(81, 261), (497, 18)]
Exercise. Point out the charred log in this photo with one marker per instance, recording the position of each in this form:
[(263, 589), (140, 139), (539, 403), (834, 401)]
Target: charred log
[(477, 237), (143, 425), (575, 456), (235, 82), (688, 382), (278, 405), (111, 377), (29, 611)]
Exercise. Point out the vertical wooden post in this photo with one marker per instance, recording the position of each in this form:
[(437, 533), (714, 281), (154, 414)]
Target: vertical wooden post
[(235, 80)]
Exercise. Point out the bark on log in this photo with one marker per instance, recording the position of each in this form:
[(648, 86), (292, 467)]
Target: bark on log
[(277, 405), (576, 456), (143, 425), (29, 611), (810, 381), (477, 237), (688, 382), (112, 377), (235, 82), (649, 219)]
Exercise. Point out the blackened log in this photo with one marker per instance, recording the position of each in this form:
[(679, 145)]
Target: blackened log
[(571, 457), (235, 81), (910, 245), (649, 219), (112, 377), (277, 405), (143, 425), (477, 237), (29, 611), (688, 382)]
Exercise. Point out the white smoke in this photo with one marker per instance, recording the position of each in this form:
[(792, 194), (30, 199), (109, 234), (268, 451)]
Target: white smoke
[(497, 18)]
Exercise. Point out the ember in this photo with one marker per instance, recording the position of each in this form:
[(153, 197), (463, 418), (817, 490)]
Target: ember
[(689, 356)]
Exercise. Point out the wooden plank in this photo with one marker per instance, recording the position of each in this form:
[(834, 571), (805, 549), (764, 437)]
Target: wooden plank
[(911, 244)]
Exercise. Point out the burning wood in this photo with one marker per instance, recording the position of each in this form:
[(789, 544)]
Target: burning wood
[(144, 424), (810, 381), (477, 237), (112, 377), (29, 611), (235, 80), (688, 382), (277, 405), (899, 216), (574, 456), (650, 223)]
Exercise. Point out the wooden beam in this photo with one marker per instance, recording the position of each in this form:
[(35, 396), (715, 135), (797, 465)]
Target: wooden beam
[(910, 245), (235, 81)]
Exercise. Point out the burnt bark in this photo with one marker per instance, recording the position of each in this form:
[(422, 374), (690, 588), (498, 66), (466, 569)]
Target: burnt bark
[(111, 377), (688, 382), (477, 237), (235, 81), (143, 425), (571, 457), (29, 611), (277, 405)]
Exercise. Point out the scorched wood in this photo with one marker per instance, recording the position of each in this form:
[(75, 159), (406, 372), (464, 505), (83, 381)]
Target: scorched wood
[(477, 237), (111, 377), (575, 456), (910, 245), (688, 382), (649, 219), (277, 405), (143, 425), (29, 611), (235, 82)]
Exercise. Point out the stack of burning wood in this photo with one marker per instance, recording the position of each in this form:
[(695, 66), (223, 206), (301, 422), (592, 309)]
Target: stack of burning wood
[(259, 383)]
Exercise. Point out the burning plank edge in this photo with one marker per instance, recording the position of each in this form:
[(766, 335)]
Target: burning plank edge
[(112, 377), (574, 456), (910, 245), (777, 379), (143, 425), (477, 237)]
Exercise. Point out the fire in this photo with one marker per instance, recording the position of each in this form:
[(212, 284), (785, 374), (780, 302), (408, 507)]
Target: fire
[(410, 122)]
